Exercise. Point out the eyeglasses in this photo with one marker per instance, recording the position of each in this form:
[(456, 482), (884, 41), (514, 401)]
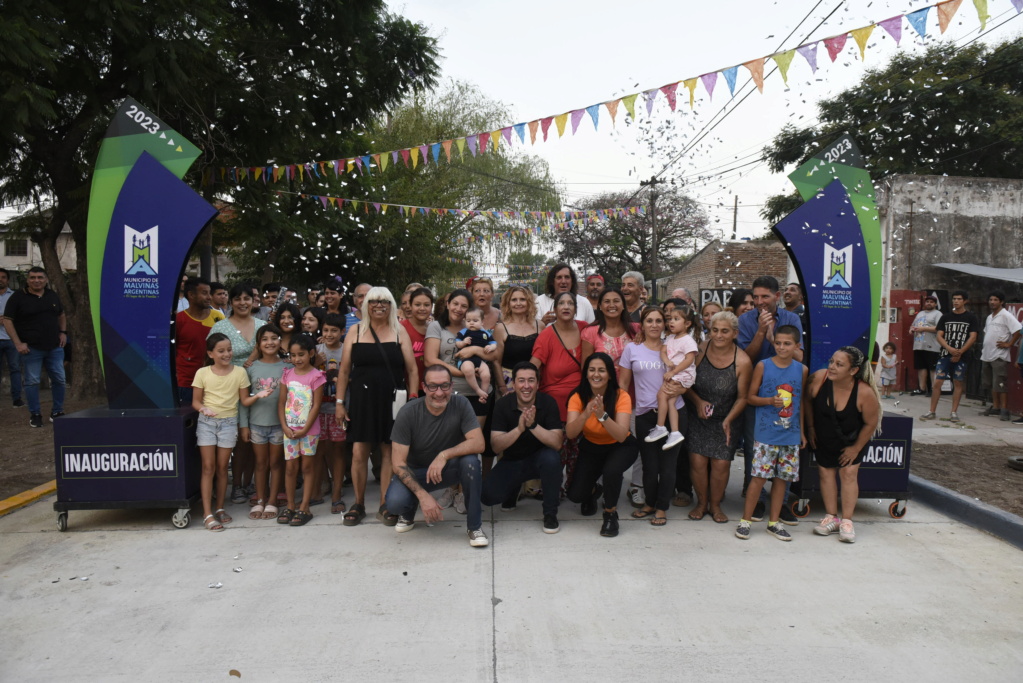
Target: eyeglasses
[(446, 386), (379, 302)]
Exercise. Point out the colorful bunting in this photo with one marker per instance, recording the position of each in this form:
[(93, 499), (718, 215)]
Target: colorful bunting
[(918, 20), (711, 79), (835, 45), (947, 10), (809, 53), (756, 70), (982, 12), (784, 60), (861, 36), (730, 74), (894, 28)]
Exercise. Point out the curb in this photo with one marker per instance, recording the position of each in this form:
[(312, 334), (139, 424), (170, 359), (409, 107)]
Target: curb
[(27, 497), (974, 513)]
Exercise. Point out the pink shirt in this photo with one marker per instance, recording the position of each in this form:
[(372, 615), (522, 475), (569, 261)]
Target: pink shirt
[(299, 400)]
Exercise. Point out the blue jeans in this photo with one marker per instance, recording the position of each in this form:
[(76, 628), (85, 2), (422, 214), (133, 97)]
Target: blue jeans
[(33, 363), (507, 476), (10, 354), (465, 470)]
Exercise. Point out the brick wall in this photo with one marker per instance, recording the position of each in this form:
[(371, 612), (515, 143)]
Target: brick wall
[(722, 265)]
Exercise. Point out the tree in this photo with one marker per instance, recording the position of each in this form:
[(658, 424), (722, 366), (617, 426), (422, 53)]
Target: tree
[(950, 110), (245, 81), (618, 245), (308, 243)]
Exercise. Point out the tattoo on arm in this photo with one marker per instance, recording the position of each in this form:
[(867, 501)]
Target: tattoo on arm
[(406, 477)]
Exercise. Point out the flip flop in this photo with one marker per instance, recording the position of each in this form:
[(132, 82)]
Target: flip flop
[(658, 521), (270, 512), (720, 517), (697, 515), (212, 524), (337, 507), (301, 518), (222, 516), (643, 514), (286, 515), (355, 514)]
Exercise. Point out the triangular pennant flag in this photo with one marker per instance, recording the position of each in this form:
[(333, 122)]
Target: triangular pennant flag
[(405, 156), (756, 69), (894, 27), (545, 125), (809, 53), (532, 131), (1018, 4), (861, 36), (484, 142), (730, 74), (258, 172), (349, 165), (377, 159), (333, 202), (594, 110), (835, 45), (649, 96), (301, 171), (947, 10), (506, 134), (358, 162), (376, 206), (630, 104), (918, 20), (520, 130), (784, 61), (612, 109), (323, 200), (982, 13), (394, 157), (669, 93), (561, 120), (337, 166), (447, 149), (383, 209), (355, 204), (709, 81), (365, 163), (384, 160), (435, 150), (460, 145), (424, 152), (577, 116)]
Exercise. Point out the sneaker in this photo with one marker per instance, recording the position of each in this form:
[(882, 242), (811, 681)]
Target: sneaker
[(828, 526), (610, 526), (18, 403), (588, 507), (674, 439), (758, 512), (990, 410), (779, 532), (238, 495), (954, 417), (916, 392), (478, 539), (404, 525), (447, 498), (928, 416), (35, 420), (1004, 416), (1018, 420), (846, 533), (742, 531), (550, 524), (656, 434), (460, 505), (55, 414), (637, 497), (787, 517)]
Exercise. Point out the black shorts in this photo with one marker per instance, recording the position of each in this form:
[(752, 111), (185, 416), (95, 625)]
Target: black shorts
[(829, 457), (925, 360)]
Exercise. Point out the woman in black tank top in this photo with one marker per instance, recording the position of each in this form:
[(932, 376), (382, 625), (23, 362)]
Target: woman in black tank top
[(843, 414)]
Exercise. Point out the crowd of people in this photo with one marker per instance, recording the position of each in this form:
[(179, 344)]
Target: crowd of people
[(469, 402)]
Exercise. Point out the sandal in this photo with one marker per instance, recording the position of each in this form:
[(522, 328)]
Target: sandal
[(355, 514), (337, 507), (386, 517), (212, 524), (301, 518), (697, 515), (285, 516), (256, 512), (222, 516), (269, 512), (643, 514), (316, 501), (659, 521), (720, 517)]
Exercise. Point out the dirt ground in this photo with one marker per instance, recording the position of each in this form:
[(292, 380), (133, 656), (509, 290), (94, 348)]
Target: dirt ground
[(978, 471)]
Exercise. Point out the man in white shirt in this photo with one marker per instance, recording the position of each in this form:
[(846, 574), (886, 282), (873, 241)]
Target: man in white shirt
[(562, 278), (1001, 332)]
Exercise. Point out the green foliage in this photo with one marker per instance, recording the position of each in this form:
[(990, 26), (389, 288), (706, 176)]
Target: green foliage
[(955, 111), (308, 243)]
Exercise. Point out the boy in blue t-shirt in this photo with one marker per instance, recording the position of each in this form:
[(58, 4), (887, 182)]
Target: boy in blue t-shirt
[(776, 392)]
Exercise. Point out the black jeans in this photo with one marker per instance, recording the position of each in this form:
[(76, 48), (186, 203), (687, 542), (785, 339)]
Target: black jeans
[(507, 476), (660, 466), (602, 460)]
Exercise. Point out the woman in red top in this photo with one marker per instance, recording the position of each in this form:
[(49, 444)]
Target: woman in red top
[(612, 329), (558, 355), (420, 308)]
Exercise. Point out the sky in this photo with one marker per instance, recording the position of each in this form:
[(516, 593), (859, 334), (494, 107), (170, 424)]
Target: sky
[(542, 58)]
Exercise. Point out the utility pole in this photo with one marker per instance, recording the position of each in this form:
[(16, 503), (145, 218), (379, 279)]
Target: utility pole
[(735, 219), (654, 266)]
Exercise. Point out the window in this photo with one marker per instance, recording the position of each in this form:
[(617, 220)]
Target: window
[(16, 247)]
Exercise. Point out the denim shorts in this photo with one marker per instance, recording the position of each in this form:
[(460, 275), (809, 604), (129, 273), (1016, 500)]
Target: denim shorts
[(946, 369), (272, 434), (221, 432)]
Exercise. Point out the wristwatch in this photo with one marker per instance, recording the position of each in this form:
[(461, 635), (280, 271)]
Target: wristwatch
[(532, 426), (602, 417)]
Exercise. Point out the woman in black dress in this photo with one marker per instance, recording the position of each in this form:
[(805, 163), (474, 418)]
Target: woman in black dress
[(515, 333), (374, 363), (842, 411)]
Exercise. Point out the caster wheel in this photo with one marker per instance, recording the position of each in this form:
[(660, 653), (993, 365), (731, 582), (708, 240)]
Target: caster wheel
[(800, 509), (181, 519), (62, 521), (897, 509)]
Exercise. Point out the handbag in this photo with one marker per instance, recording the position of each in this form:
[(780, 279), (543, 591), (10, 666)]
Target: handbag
[(400, 396)]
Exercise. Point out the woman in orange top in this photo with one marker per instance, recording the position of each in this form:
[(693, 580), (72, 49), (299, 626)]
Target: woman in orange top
[(599, 414)]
